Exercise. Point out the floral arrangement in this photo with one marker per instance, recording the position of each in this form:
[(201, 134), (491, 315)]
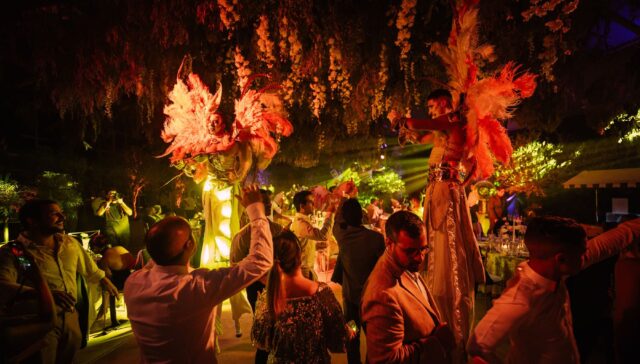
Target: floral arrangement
[(132, 59), (290, 46), (379, 102), (202, 146), (404, 23), (265, 44), (242, 68), (229, 15), (338, 75), (560, 25), (319, 101)]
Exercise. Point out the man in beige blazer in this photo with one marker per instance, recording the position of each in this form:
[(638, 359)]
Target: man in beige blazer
[(400, 318)]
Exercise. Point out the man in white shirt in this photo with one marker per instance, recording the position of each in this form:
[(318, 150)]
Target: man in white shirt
[(534, 311), (311, 238), (172, 307), (374, 211)]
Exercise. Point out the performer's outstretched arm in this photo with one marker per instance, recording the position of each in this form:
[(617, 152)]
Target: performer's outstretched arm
[(444, 122)]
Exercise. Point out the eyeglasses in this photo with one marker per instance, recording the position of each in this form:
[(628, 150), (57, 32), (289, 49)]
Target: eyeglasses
[(415, 251)]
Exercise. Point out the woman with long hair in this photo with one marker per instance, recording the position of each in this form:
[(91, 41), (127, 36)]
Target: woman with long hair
[(296, 319)]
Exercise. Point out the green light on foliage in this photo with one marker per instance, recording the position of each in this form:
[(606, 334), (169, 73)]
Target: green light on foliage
[(622, 121), (9, 196), (530, 165), (388, 182)]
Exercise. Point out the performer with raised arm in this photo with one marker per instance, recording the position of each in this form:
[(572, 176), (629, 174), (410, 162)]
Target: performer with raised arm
[(467, 136)]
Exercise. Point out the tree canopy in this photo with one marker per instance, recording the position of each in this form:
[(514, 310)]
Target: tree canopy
[(98, 72)]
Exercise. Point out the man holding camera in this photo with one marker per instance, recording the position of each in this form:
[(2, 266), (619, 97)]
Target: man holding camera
[(116, 214)]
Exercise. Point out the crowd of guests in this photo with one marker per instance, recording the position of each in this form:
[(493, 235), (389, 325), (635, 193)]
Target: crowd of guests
[(172, 307)]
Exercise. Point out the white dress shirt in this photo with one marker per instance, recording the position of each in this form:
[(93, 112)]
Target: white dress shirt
[(415, 277), (172, 308), (535, 312), (59, 266), (311, 239)]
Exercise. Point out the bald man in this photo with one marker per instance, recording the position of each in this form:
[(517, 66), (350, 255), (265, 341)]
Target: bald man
[(171, 306)]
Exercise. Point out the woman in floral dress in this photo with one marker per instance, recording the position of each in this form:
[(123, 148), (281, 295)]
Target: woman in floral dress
[(297, 320)]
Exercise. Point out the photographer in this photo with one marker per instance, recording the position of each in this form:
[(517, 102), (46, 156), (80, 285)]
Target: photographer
[(116, 214)]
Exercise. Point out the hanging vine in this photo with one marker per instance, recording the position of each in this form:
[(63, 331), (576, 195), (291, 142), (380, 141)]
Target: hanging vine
[(265, 44), (338, 75), (379, 106), (560, 24), (338, 62)]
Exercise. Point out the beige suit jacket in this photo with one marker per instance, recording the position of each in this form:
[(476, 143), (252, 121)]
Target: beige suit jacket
[(396, 316)]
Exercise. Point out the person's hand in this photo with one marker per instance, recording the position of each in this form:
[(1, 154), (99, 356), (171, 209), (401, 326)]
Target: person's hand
[(431, 348), (394, 116), (249, 195), (478, 360), (64, 300), (346, 189), (445, 336), (109, 287), (119, 201), (351, 333), (332, 204)]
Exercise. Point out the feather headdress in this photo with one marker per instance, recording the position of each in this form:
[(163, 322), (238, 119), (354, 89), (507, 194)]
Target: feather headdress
[(193, 125), (260, 116), (200, 141), (487, 101)]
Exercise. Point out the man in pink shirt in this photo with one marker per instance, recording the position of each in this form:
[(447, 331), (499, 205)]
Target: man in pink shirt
[(171, 306), (534, 311)]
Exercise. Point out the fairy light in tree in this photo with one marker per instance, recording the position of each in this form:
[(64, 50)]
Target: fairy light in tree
[(628, 122)]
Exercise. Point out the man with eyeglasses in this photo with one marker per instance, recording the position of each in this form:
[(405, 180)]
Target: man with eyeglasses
[(400, 318), (171, 306)]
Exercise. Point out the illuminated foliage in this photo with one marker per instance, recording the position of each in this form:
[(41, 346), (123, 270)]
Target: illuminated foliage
[(530, 166), (380, 184), (626, 126), (9, 196), (62, 188)]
